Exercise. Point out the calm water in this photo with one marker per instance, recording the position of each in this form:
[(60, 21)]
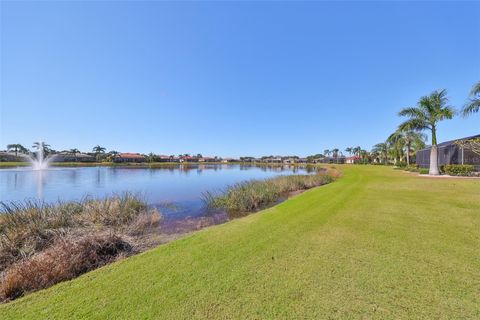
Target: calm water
[(181, 187)]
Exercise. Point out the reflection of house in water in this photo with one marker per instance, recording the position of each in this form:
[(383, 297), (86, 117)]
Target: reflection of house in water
[(449, 153)]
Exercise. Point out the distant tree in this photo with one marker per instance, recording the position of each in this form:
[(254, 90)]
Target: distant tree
[(381, 150), (98, 150), (408, 139), (356, 151), (152, 157), (74, 151), (395, 146), (473, 105), (45, 146), (425, 116), (335, 154), (327, 152), (365, 155), (16, 147), (199, 155), (349, 150)]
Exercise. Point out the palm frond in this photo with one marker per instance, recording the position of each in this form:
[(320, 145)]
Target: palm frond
[(414, 124), (472, 107), (475, 90), (412, 112)]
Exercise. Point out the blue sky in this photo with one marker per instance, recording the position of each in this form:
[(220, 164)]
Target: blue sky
[(229, 78)]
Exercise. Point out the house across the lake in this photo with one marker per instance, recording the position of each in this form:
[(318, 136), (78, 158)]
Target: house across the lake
[(10, 156), (130, 157), (353, 159), (207, 159), (449, 153), (73, 157)]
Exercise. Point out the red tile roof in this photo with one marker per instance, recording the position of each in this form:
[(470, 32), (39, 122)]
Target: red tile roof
[(131, 155)]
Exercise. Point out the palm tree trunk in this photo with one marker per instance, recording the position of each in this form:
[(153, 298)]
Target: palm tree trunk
[(408, 154), (434, 155)]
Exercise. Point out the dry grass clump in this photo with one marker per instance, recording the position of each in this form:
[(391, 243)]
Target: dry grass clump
[(31, 226), (42, 244), (64, 260), (256, 194)]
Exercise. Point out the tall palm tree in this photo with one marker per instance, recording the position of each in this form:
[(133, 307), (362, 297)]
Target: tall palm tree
[(349, 150), (326, 152), (74, 151), (474, 104), (425, 116)]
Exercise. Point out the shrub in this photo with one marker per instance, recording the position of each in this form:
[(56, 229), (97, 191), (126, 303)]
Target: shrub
[(401, 164), (64, 260), (458, 169), (423, 171), (411, 168)]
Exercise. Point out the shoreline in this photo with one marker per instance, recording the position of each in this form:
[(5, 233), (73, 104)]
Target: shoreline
[(152, 164)]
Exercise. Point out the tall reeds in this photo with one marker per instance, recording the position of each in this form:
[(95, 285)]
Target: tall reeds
[(256, 194)]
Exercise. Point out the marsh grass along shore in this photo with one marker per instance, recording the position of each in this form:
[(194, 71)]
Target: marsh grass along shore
[(257, 194)]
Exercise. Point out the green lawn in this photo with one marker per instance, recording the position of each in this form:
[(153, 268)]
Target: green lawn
[(378, 243)]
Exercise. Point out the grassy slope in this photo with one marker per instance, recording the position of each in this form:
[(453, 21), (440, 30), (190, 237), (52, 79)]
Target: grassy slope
[(377, 243)]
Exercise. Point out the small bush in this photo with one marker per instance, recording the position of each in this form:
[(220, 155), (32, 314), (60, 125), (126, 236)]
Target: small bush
[(411, 168), (423, 171), (401, 164), (65, 260), (458, 169)]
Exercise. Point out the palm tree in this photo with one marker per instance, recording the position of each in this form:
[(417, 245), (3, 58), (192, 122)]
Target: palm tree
[(474, 104), (335, 154), (74, 151), (44, 146), (425, 116), (98, 150), (326, 152), (349, 150), (381, 149), (409, 139), (356, 151), (17, 147), (365, 156)]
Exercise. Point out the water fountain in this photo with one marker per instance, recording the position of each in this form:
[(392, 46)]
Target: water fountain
[(40, 162)]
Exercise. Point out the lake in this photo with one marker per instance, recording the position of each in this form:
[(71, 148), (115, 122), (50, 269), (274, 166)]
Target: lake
[(175, 190)]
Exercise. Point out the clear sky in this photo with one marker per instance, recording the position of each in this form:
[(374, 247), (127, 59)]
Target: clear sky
[(229, 78)]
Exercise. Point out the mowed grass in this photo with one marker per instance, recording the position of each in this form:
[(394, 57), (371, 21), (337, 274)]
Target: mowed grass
[(378, 243)]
